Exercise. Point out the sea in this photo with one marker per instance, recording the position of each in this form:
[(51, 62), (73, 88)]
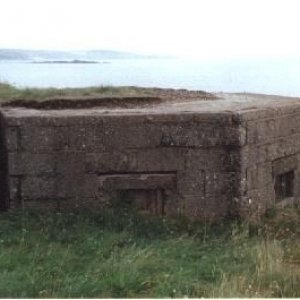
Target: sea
[(266, 76)]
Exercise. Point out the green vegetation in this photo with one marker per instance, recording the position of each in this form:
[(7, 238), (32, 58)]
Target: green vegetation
[(54, 98), (9, 92), (118, 253)]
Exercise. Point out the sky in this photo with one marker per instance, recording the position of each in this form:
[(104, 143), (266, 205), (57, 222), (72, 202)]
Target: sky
[(187, 28)]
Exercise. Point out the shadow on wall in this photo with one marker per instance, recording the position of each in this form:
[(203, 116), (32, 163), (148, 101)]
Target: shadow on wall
[(4, 201)]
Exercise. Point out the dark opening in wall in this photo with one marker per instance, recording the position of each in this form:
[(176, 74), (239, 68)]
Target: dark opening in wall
[(284, 185), (151, 200)]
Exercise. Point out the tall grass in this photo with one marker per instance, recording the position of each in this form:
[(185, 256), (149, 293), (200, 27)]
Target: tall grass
[(272, 276), (118, 253)]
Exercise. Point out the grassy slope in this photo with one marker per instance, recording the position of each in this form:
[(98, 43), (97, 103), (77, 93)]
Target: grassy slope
[(121, 254)]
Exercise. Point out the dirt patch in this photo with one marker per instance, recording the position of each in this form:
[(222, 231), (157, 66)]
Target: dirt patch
[(122, 102)]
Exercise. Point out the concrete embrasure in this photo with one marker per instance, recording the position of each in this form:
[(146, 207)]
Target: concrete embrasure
[(205, 159)]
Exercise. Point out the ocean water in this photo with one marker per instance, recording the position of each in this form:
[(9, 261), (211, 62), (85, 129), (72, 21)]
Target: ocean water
[(277, 77)]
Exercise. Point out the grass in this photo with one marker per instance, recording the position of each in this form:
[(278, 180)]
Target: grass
[(118, 253), (55, 98), (9, 92)]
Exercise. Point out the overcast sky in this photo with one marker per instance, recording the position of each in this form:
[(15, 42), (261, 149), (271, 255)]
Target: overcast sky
[(195, 28)]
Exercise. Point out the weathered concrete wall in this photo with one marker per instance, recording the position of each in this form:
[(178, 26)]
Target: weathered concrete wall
[(271, 151), (180, 163), (204, 165)]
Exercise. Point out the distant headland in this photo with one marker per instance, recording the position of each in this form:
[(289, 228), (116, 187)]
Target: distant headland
[(76, 56), (73, 61)]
